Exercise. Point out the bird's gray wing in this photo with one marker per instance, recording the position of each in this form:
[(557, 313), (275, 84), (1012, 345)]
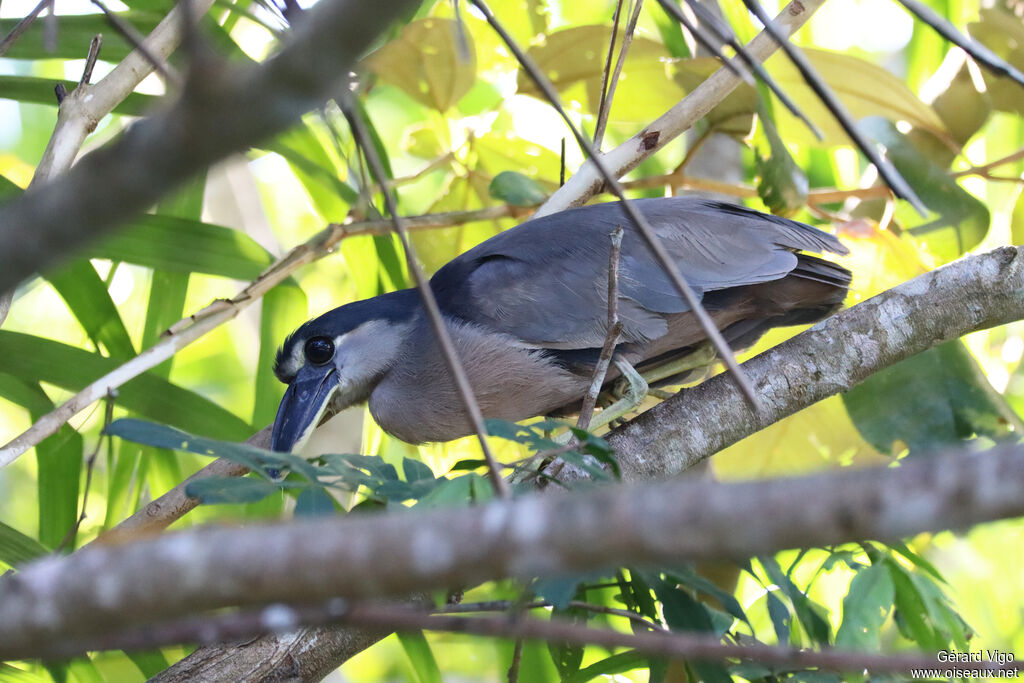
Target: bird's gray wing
[(545, 282)]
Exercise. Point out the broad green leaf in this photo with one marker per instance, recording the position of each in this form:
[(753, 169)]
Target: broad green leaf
[(567, 658), (86, 295), (866, 608), (782, 619), (427, 63), (576, 56), (1002, 32), (683, 613), (816, 627), (149, 663), (163, 436), (44, 360), (40, 91), (16, 548), (962, 108), (58, 459), (865, 88), (74, 32), (313, 502), (421, 657), (609, 666), (313, 167), (517, 189), (936, 398), (415, 470), (962, 221), (214, 490), (185, 246)]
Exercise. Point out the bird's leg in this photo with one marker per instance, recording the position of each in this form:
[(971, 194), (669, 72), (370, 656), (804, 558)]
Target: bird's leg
[(701, 357), (633, 394)]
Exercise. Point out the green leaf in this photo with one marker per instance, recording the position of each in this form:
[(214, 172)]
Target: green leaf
[(517, 189), (866, 608), (683, 613), (782, 185), (74, 32), (16, 548), (566, 657), (185, 246), (314, 502), (44, 360), (40, 91), (426, 62), (816, 627), (214, 490), (911, 613), (455, 491), (935, 398), (149, 663), (609, 666), (780, 615), (688, 577), (415, 470), (421, 657), (58, 459), (163, 436), (962, 221), (86, 295)]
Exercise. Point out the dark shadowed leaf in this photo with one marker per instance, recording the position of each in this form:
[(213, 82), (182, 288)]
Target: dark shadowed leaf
[(517, 189), (40, 91), (935, 398), (313, 502), (214, 490), (616, 664), (814, 624), (866, 608)]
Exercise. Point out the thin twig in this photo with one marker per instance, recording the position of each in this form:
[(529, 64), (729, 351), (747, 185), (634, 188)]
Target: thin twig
[(517, 658), (613, 330), (980, 52), (888, 172), (726, 35), (90, 60), (189, 329), (22, 26), (602, 107), (643, 226), (437, 322), (985, 168), (138, 42), (620, 62), (90, 464)]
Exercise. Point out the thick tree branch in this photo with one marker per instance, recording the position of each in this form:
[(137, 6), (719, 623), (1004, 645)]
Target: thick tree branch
[(206, 123), (108, 588), (974, 293)]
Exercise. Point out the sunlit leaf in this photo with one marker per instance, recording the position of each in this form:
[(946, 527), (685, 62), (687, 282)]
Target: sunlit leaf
[(962, 220), (865, 88), (576, 56), (1002, 32), (426, 62), (417, 649)]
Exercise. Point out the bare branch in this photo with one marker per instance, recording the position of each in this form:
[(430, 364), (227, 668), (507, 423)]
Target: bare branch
[(22, 26), (115, 182), (104, 589), (974, 293), (139, 43)]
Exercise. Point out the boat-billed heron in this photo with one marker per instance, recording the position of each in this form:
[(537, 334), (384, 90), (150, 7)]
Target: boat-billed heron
[(527, 311)]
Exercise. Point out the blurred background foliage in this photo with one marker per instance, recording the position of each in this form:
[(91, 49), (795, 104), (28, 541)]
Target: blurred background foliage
[(462, 128)]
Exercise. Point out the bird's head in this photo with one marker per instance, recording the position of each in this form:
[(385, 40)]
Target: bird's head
[(335, 361)]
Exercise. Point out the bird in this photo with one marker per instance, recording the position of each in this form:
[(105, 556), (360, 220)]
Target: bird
[(527, 312)]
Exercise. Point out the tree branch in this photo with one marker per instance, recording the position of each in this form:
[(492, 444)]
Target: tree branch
[(206, 123), (104, 589), (974, 293)]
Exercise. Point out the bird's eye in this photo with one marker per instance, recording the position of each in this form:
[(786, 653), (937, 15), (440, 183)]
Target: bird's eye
[(319, 350)]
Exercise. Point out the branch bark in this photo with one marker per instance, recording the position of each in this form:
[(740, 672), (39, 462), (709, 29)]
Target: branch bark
[(108, 588)]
